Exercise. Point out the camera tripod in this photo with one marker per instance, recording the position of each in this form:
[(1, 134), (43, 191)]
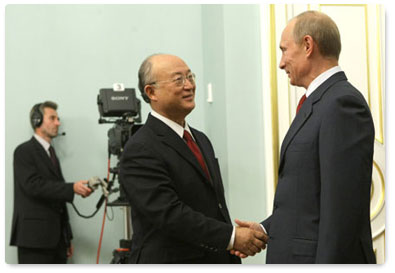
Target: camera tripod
[(121, 255)]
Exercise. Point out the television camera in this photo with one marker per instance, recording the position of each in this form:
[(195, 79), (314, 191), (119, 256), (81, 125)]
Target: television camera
[(119, 106)]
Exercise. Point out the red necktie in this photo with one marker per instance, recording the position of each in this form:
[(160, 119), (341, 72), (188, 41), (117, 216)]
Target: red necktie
[(196, 151), (301, 101)]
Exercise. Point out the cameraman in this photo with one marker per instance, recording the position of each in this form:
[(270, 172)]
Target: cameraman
[(40, 225)]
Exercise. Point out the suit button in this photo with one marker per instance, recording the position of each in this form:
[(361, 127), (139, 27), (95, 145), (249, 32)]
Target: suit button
[(220, 206)]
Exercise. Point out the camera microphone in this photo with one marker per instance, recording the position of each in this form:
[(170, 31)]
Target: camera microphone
[(62, 134)]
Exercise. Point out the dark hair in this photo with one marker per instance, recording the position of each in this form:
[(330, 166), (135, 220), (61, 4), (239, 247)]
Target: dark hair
[(37, 113), (322, 29)]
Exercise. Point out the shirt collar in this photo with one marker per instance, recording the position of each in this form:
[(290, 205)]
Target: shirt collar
[(321, 79), (43, 142), (172, 124)]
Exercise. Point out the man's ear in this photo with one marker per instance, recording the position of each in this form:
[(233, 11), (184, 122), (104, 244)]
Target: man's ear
[(150, 92), (309, 45)]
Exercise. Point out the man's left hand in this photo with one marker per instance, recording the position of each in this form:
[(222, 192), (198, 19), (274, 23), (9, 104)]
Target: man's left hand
[(70, 251)]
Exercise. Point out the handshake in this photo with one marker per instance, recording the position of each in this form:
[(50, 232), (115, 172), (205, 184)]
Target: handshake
[(250, 239)]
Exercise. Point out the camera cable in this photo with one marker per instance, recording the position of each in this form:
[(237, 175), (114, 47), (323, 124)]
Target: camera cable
[(104, 215)]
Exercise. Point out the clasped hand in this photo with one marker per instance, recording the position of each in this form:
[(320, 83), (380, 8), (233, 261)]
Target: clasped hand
[(81, 188), (250, 239)]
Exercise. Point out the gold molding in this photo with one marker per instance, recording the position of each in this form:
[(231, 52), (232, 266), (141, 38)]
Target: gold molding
[(273, 93), (381, 234), (288, 83), (377, 238), (367, 52), (380, 205), (342, 5), (378, 39), (384, 245)]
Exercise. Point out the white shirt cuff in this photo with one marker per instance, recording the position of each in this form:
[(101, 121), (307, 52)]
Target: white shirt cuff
[(232, 239), (264, 230)]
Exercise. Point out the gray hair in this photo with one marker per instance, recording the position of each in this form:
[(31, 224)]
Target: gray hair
[(145, 76), (322, 29)]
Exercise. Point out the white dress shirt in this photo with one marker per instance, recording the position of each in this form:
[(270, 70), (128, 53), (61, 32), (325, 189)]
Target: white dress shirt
[(321, 79), (43, 143), (173, 125), (180, 131)]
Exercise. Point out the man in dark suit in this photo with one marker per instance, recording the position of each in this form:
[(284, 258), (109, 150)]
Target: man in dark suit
[(40, 224), (172, 178), (321, 208)]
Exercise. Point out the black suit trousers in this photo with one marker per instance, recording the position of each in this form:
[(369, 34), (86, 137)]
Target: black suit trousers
[(56, 255)]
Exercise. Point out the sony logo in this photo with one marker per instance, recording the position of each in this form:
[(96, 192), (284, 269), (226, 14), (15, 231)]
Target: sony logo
[(120, 98)]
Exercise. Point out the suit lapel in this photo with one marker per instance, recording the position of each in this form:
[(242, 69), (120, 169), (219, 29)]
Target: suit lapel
[(171, 139), (213, 170), (207, 158), (297, 123), (306, 111)]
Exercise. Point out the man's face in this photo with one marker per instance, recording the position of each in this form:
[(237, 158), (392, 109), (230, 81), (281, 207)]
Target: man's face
[(293, 59), (51, 123), (169, 98)]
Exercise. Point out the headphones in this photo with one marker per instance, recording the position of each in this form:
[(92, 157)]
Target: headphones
[(36, 117)]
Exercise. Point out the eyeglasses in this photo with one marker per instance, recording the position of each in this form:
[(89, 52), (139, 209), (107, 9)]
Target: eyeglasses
[(180, 80)]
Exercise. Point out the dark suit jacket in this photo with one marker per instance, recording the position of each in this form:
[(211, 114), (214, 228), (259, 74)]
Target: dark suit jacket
[(178, 215), (321, 208), (40, 216)]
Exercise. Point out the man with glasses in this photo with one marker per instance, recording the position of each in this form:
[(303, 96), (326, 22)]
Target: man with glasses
[(172, 178)]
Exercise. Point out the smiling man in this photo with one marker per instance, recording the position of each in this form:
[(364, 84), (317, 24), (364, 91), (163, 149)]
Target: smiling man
[(172, 178)]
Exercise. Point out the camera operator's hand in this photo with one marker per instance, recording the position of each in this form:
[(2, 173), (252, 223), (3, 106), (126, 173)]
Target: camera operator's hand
[(81, 188)]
